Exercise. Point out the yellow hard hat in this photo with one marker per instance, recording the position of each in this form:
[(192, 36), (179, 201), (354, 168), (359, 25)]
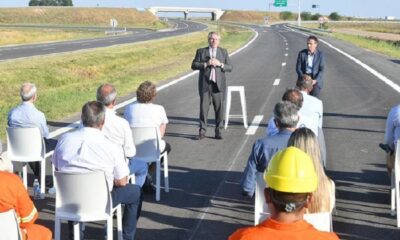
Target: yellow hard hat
[(291, 170)]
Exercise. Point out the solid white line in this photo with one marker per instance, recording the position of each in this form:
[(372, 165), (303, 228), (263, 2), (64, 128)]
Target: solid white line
[(283, 64), (377, 74), (123, 104), (254, 125), (276, 82)]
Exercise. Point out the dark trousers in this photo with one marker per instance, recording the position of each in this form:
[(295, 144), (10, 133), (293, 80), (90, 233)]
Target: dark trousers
[(316, 90), (217, 98), (131, 196)]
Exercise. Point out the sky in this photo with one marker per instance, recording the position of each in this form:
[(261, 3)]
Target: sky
[(354, 8)]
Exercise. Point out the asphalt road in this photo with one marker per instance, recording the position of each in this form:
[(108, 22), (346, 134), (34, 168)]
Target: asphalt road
[(29, 50), (205, 200)]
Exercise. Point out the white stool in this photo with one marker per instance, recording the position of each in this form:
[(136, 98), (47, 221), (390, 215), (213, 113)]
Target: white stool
[(239, 89)]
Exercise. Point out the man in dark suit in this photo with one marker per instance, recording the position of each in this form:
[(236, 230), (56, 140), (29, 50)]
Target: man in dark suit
[(213, 62), (311, 61)]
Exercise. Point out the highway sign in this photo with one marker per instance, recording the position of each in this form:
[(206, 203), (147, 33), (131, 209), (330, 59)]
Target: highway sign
[(280, 3), (113, 22)]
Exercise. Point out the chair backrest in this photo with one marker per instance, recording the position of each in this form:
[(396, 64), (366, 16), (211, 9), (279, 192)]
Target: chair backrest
[(147, 143), (25, 144), (9, 227), (322, 221), (82, 194), (261, 211)]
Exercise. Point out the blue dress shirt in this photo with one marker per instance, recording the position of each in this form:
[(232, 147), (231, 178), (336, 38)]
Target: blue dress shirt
[(262, 152)]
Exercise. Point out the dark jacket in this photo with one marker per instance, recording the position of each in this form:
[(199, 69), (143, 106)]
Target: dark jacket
[(317, 69)]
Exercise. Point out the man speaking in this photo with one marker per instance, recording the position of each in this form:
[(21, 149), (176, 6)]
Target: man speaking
[(213, 62)]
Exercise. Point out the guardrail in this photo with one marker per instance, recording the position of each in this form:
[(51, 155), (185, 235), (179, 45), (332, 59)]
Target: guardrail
[(311, 30)]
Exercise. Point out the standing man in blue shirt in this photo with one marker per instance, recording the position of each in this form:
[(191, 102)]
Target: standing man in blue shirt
[(26, 115), (311, 61), (286, 118)]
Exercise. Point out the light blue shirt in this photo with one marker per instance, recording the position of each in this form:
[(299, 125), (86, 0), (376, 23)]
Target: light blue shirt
[(312, 108), (393, 127), (26, 115), (262, 152), (309, 66)]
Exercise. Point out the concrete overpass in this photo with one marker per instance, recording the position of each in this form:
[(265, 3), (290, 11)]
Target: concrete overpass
[(215, 12)]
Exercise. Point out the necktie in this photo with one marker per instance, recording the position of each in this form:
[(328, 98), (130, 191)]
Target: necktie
[(213, 76)]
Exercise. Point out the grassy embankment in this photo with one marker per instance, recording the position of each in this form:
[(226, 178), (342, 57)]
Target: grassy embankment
[(67, 16), (66, 82), (251, 17), (373, 43)]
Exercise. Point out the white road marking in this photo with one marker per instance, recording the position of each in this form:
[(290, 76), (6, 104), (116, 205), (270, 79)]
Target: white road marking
[(286, 54), (377, 74), (254, 125), (287, 48), (283, 64), (276, 82)]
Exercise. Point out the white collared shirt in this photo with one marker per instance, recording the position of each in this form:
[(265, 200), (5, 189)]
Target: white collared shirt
[(117, 130), (27, 115), (310, 62), (145, 115), (312, 108), (86, 150)]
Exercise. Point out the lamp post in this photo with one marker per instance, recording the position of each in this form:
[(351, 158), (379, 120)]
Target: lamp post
[(298, 15)]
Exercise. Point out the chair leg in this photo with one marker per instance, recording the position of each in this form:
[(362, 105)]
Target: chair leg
[(227, 108), (158, 170), (166, 179), (57, 229), (43, 177), (77, 231), (244, 108), (119, 222), (110, 228), (25, 175), (393, 195)]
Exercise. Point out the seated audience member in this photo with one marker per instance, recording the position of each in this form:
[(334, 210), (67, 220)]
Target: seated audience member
[(26, 115), (324, 197), (13, 195), (144, 113), (291, 181), (117, 130), (392, 134), (87, 149), (312, 106), (286, 118), (294, 96)]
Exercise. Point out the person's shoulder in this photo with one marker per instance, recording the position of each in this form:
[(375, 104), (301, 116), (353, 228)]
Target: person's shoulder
[(326, 235), (246, 233)]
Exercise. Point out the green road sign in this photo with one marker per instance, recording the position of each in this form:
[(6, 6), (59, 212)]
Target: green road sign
[(280, 3)]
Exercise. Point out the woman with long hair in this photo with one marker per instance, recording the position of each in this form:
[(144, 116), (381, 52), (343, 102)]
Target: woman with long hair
[(324, 197)]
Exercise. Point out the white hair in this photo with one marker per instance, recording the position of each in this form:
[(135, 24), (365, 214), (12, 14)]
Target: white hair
[(27, 91)]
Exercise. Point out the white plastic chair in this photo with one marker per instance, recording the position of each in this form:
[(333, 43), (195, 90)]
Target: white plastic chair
[(27, 145), (229, 92), (321, 221), (261, 211), (147, 142), (394, 188), (9, 227), (84, 197)]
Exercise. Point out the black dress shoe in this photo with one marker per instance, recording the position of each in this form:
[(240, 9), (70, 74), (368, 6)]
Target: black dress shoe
[(386, 148), (201, 135), (218, 135)]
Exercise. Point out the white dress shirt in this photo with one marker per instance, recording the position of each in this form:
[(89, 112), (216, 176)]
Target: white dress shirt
[(26, 115), (312, 108), (86, 150), (117, 130)]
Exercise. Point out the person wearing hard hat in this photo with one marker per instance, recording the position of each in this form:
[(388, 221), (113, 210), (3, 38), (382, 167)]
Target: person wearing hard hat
[(290, 179)]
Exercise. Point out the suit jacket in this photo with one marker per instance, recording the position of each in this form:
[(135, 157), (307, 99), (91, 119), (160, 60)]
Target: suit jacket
[(202, 57), (317, 69)]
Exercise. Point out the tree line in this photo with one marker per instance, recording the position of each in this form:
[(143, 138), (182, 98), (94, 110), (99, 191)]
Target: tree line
[(50, 3), (286, 15)]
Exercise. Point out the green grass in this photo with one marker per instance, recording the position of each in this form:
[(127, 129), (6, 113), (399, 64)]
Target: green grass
[(66, 82), (35, 35), (391, 49), (384, 27)]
